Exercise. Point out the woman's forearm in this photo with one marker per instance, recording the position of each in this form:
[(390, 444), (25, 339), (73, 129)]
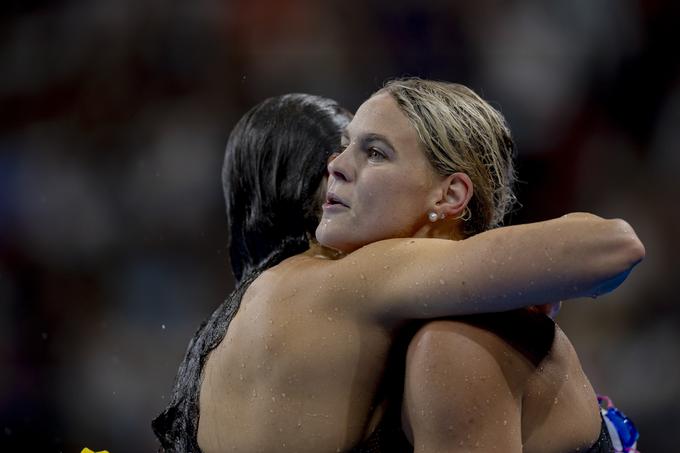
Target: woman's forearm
[(506, 268), (596, 254)]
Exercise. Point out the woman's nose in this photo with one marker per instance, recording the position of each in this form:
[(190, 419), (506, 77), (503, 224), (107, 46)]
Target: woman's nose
[(338, 166)]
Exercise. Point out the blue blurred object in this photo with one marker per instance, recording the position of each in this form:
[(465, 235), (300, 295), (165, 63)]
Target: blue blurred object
[(625, 435)]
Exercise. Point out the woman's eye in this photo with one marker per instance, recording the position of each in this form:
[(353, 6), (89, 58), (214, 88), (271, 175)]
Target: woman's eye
[(374, 154)]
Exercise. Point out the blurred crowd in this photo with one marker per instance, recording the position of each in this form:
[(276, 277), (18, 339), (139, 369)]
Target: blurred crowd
[(114, 116)]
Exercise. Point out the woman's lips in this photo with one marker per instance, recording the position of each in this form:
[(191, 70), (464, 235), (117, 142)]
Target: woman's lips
[(334, 202), (334, 207)]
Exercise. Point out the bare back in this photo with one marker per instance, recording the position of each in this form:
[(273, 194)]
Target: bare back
[(297, 369)]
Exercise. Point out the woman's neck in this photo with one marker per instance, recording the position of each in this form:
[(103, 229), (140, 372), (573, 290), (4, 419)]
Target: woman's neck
[(317, 250), (441, 229)]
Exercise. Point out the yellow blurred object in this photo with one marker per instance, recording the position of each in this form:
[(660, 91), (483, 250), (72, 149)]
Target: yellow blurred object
[(87, 450)]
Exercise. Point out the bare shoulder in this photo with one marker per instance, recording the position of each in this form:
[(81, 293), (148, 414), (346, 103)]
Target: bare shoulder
[(311, 283), (509, 346), (463, 386), (522, 380), (530, 335)]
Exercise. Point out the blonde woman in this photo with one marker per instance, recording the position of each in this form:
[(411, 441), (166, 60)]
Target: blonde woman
[(299, 363)]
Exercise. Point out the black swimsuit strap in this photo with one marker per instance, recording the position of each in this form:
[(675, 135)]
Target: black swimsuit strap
[(603, 443), (177, 426)]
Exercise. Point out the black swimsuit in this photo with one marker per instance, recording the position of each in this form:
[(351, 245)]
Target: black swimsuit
[(604, 442), (177, 426)]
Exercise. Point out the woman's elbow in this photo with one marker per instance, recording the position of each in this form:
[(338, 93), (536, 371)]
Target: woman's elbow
[(631, 248), (622, 251)]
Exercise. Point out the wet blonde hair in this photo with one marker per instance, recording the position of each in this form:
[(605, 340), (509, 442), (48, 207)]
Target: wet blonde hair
[(460, 132)]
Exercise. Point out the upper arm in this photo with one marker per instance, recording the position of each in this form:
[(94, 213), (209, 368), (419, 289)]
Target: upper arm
[(457, 396)]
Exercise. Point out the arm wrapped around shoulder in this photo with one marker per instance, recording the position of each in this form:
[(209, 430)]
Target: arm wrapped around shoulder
[(577, 255)]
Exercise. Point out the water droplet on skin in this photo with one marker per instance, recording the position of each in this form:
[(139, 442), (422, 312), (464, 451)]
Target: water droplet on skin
[(330, 318), (386, 267), (505, 422), (555, 400), (243, 365), (362, 276), (441, 281)]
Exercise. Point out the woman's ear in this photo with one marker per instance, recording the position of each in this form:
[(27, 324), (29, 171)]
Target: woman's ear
[(457, 192)]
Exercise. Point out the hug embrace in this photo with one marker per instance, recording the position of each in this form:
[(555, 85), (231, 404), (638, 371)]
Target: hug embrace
[(380, 304)]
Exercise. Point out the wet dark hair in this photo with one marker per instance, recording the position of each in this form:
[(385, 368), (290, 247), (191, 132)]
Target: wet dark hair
[(273, 166)]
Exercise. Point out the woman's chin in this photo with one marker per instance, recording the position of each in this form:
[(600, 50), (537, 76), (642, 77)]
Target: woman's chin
[(329, 240)]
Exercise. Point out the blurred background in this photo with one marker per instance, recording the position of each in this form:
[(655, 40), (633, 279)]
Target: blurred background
[(114, 116)]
